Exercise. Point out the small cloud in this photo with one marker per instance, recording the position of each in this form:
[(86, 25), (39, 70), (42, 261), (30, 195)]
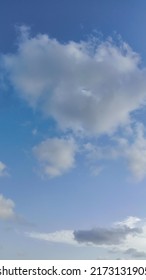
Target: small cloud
[(34, 131), (130, 222), (135, 253), (6, 208), (7, 213), (56, 156), (3, 169), (96, 170)]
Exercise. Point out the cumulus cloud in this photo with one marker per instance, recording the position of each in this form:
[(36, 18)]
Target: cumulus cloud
[(3, 169), (56, 155), (84, 86), (124, 238), (6, 208), (90, 87)]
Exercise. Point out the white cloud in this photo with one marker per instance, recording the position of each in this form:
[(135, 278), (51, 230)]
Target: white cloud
[(56, 155), (129, 221), (83, 86), (6, 208), (64, 236), (3, 169)]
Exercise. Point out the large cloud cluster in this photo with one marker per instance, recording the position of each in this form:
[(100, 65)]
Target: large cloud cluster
[(89, 88), (85, 87)]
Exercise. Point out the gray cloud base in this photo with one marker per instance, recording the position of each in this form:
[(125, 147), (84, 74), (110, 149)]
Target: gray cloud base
[(102, 236)]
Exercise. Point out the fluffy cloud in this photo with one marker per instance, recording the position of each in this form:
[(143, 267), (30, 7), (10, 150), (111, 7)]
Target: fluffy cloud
[(3, 169), (6, 208), (125, 239), (56, 155), (84, 86)]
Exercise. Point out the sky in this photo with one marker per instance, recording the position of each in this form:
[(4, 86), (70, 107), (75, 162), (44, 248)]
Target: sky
[(72, 129)]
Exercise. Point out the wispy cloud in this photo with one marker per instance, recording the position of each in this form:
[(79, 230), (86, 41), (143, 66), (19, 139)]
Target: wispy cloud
[(63, 236), (131, 147)]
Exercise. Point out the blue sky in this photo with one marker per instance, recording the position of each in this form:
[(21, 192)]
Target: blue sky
[(73, 136)]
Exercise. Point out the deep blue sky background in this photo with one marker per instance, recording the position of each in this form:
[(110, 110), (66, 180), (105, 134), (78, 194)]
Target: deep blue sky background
[(74, 20)]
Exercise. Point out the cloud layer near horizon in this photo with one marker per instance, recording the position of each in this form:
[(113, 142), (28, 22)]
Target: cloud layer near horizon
[(124, 239)]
